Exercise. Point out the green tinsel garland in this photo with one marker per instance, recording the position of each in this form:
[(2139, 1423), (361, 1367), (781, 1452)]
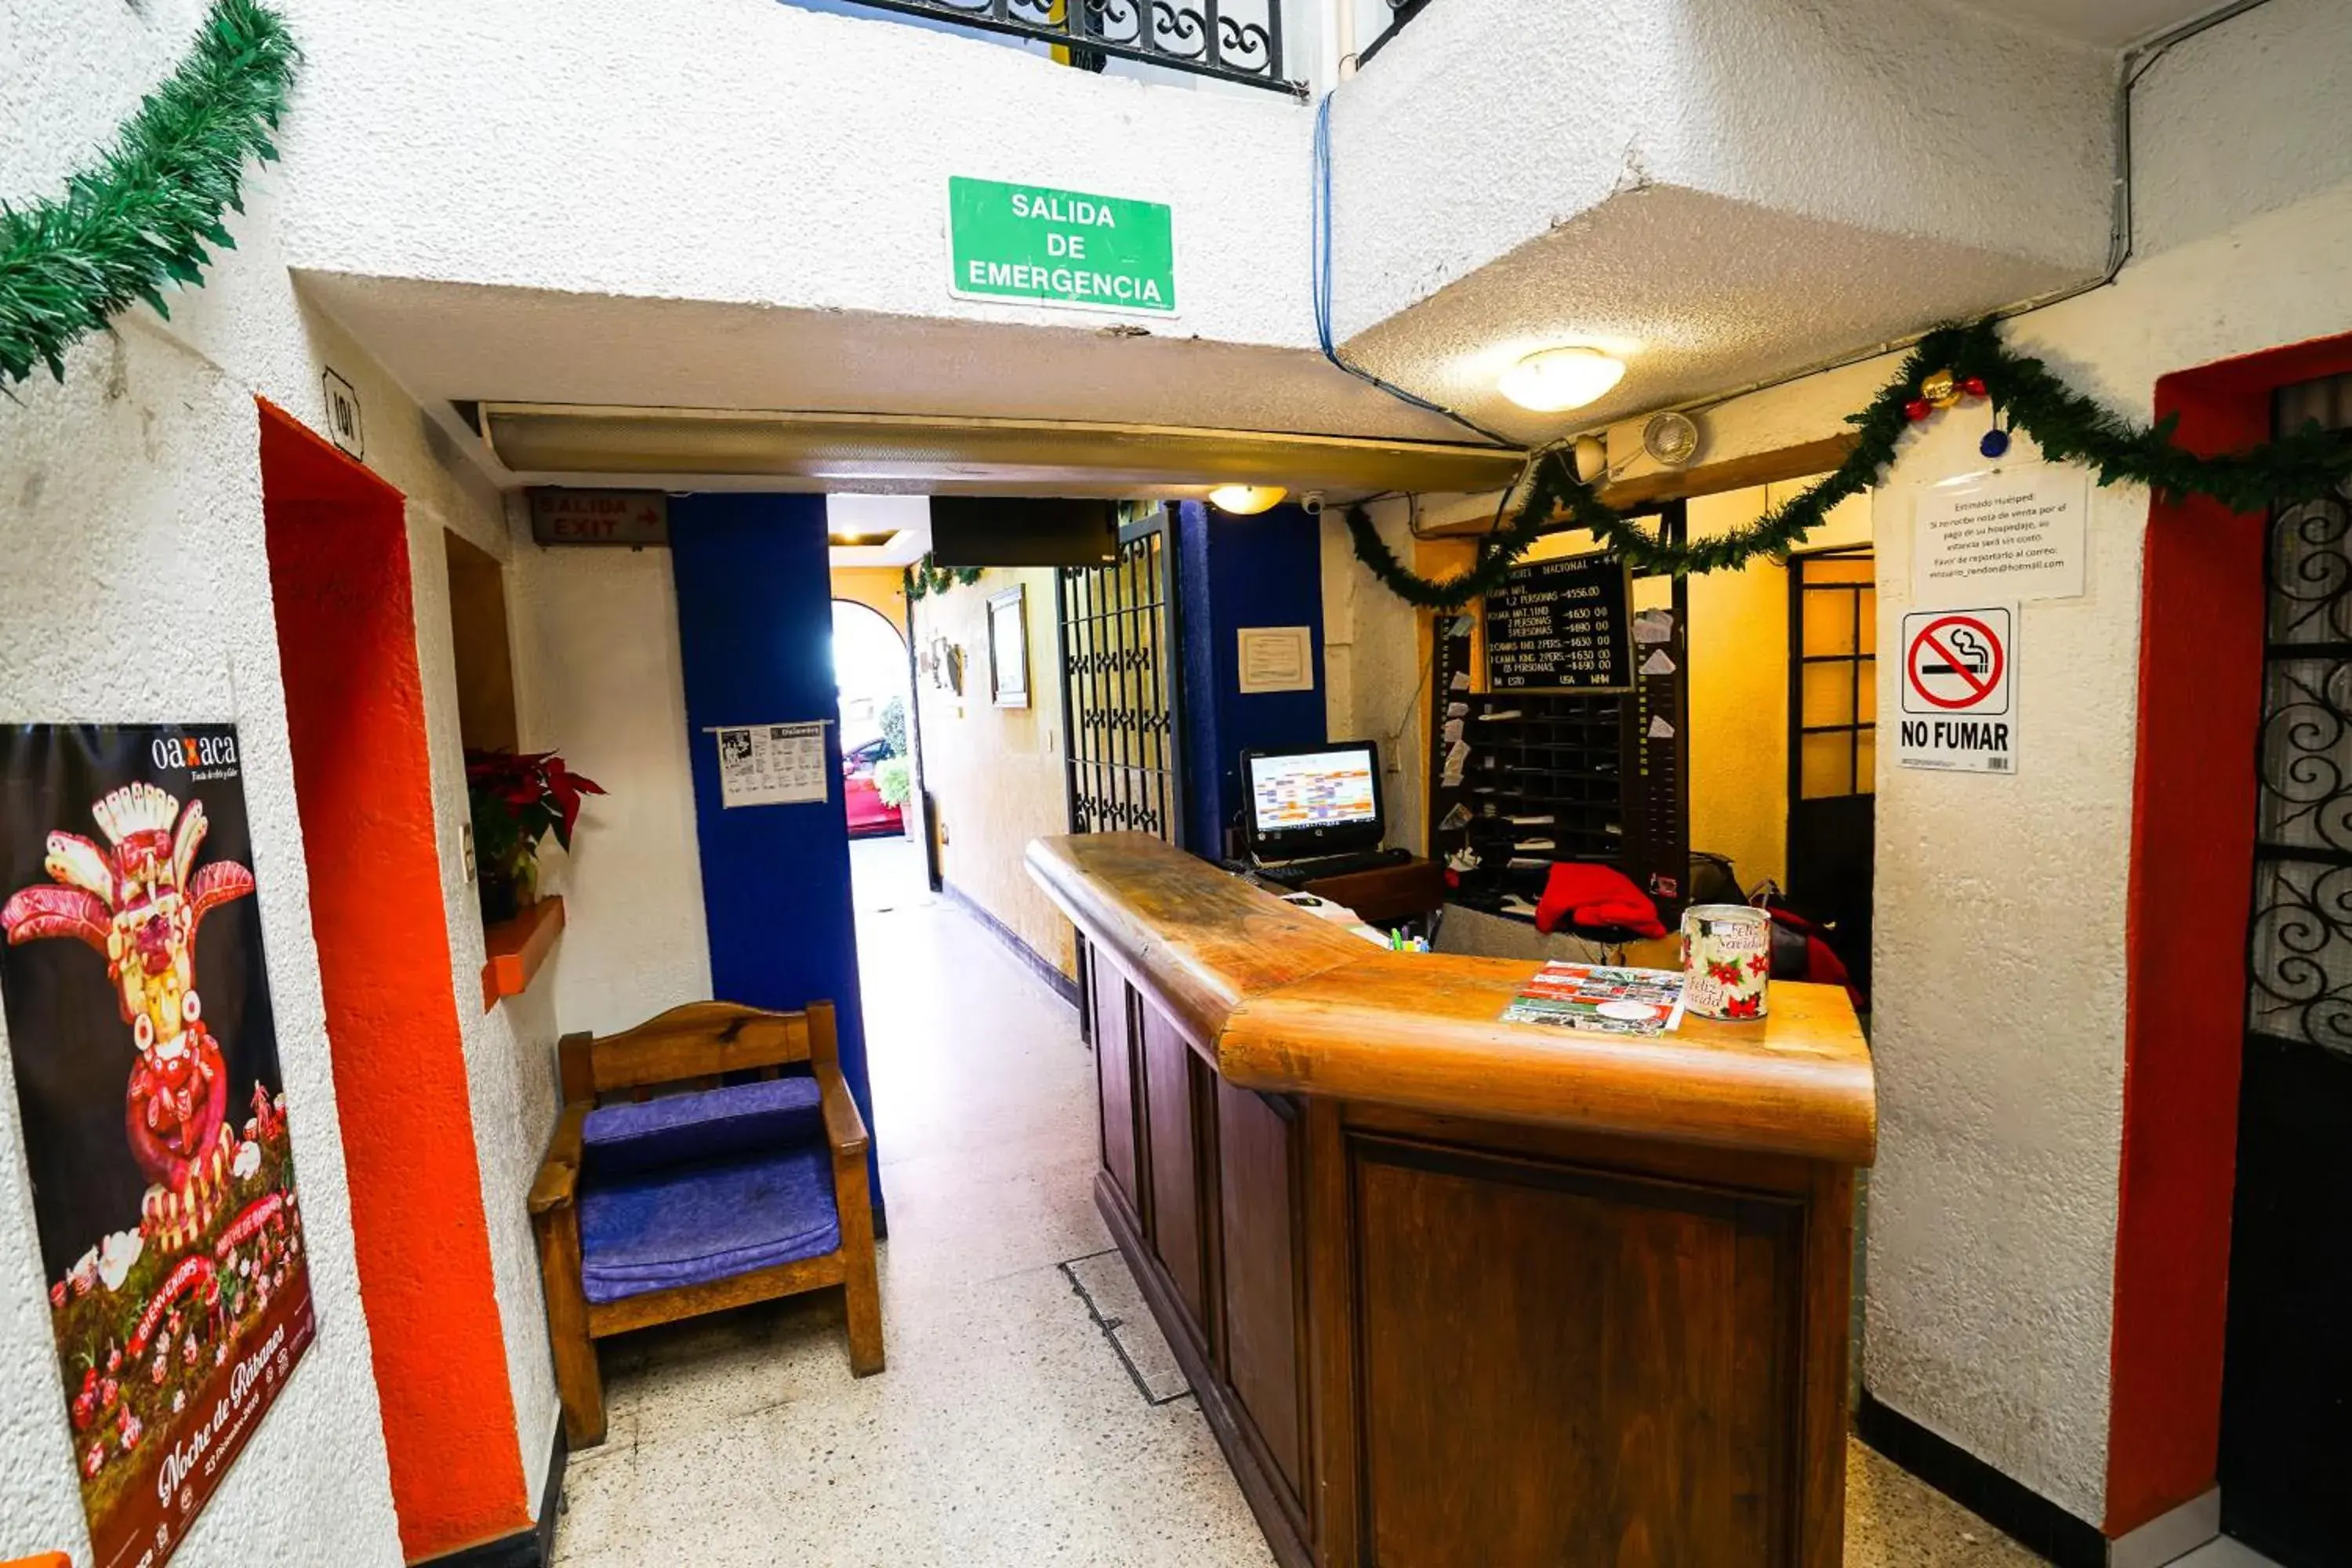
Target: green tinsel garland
[(2066, 426), (139, 217), (924, 579)]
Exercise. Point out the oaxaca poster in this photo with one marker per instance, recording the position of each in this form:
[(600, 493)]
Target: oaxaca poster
[(152, 1110)]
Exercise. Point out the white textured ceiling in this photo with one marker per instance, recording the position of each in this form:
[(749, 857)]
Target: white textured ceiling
[(1650, 189), (1697, 293), (2107, 23), (488, 344)]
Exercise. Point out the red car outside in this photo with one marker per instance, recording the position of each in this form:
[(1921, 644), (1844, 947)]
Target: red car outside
[(869, 814)]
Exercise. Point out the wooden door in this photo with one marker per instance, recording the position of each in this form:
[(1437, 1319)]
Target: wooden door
[(1113, 1012), (1171, 1149)]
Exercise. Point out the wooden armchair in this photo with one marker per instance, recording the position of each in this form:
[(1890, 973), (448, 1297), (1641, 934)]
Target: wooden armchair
[(652, 1208)]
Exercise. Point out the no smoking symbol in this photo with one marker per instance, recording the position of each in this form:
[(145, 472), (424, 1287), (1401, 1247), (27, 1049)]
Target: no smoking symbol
[(1958, 662)]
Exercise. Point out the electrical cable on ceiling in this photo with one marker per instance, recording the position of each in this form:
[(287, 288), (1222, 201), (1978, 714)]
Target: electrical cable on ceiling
[(2136, 63), (1321, 261)]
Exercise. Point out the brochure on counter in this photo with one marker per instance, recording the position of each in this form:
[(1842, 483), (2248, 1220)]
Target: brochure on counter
[(1600, 999)]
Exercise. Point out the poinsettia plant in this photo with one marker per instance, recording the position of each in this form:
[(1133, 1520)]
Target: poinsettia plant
[(517, 799)]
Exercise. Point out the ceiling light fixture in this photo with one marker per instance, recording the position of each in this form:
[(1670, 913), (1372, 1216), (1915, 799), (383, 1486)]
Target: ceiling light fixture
[(1553, 381), (1246, 501)]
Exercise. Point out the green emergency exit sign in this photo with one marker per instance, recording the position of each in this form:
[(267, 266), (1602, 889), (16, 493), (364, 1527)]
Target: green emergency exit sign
[(1060, 247)]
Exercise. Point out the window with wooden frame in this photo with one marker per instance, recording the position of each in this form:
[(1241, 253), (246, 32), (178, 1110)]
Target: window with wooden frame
[(1833, 677)]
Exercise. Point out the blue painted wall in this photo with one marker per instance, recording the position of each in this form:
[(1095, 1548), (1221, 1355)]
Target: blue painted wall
[(1236, 572), (755, 636)]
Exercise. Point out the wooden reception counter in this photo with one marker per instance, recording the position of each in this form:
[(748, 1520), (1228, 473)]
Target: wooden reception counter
[(1457, 1293)]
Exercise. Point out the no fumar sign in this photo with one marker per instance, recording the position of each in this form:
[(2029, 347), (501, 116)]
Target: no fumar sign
[(1959, 671)]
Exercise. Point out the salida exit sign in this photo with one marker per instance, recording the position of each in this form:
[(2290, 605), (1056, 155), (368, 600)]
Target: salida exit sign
[(1048, 247), (599, 517)]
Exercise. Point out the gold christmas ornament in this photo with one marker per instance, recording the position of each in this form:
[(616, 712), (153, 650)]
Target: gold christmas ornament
[(1941, 389)]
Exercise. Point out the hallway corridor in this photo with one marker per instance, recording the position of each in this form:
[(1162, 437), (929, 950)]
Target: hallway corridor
[(1031, 1413)]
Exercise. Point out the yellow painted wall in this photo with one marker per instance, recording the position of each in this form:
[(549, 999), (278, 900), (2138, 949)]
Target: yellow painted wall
[(996, 775), (1738, 641), (1739, 644), (879, 588)]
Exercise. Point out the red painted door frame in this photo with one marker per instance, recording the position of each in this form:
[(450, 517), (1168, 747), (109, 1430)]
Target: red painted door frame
[(2203, 606), (340, 577)]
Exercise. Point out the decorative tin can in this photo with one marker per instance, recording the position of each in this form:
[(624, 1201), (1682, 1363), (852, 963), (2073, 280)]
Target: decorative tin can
[(1726, 959)]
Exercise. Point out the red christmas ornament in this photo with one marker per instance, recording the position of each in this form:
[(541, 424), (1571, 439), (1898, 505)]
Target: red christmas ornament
[(1974, 386), (1917, 409)]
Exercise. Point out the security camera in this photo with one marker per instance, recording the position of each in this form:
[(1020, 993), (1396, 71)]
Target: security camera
[(1312, 501)]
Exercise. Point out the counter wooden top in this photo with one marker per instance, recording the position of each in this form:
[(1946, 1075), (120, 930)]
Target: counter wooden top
[(1280, 1000)]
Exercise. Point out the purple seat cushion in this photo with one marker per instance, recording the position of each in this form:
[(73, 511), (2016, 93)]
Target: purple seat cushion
[(759, 1117), (694, 1224)]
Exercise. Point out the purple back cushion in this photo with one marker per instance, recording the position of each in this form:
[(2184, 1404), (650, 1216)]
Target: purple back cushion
[(759, 1117)]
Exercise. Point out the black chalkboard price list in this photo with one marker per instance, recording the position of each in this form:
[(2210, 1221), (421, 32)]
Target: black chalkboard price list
[(1561, 625)]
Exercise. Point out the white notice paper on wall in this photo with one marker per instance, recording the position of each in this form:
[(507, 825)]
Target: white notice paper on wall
[(2015, 534), (771, 765), (1277, 658)]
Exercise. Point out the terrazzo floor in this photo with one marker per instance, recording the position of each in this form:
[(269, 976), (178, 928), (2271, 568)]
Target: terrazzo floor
[(1031, 1413)]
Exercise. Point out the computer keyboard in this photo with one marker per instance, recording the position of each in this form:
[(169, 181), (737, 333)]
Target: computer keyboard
[(1323, 867)]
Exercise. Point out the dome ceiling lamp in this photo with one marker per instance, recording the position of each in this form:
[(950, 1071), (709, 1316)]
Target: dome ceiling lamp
[(1247, 501), (1555, 380)]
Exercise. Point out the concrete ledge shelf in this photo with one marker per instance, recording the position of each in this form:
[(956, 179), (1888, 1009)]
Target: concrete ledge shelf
[(516, 948)]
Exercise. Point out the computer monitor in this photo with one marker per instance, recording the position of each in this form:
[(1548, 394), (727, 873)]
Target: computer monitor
[(1323, 800)]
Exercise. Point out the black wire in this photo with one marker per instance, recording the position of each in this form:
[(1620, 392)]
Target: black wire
[(1320, 261)]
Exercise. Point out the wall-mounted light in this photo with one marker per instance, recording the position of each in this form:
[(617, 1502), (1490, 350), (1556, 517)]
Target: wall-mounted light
[(1591, 458), (1246, 501), (1553, 381)]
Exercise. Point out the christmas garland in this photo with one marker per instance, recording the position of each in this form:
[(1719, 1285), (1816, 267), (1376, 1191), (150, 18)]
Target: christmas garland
[(1950, 365), (924, 579), (141, 216)]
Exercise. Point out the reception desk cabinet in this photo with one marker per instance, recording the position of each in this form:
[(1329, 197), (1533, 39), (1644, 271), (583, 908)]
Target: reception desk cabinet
[(1457, 1293)]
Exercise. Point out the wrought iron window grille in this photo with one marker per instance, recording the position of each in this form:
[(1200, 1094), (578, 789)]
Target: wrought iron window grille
[(1228, 41), (2299, 961)]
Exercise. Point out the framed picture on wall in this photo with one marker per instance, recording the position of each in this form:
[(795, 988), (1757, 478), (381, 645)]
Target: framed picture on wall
[(1008, 647)]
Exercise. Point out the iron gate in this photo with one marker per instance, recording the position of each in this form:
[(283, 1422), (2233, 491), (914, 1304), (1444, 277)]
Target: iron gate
[(2286, 1402), (1118, 686)]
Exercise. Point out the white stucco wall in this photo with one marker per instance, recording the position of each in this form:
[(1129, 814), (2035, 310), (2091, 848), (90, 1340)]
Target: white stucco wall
[(2000, 937), (1373, 682), (509, 1049), (746, 150), (598, 677), (1486, 123), (138, 481), (2240, 121)]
